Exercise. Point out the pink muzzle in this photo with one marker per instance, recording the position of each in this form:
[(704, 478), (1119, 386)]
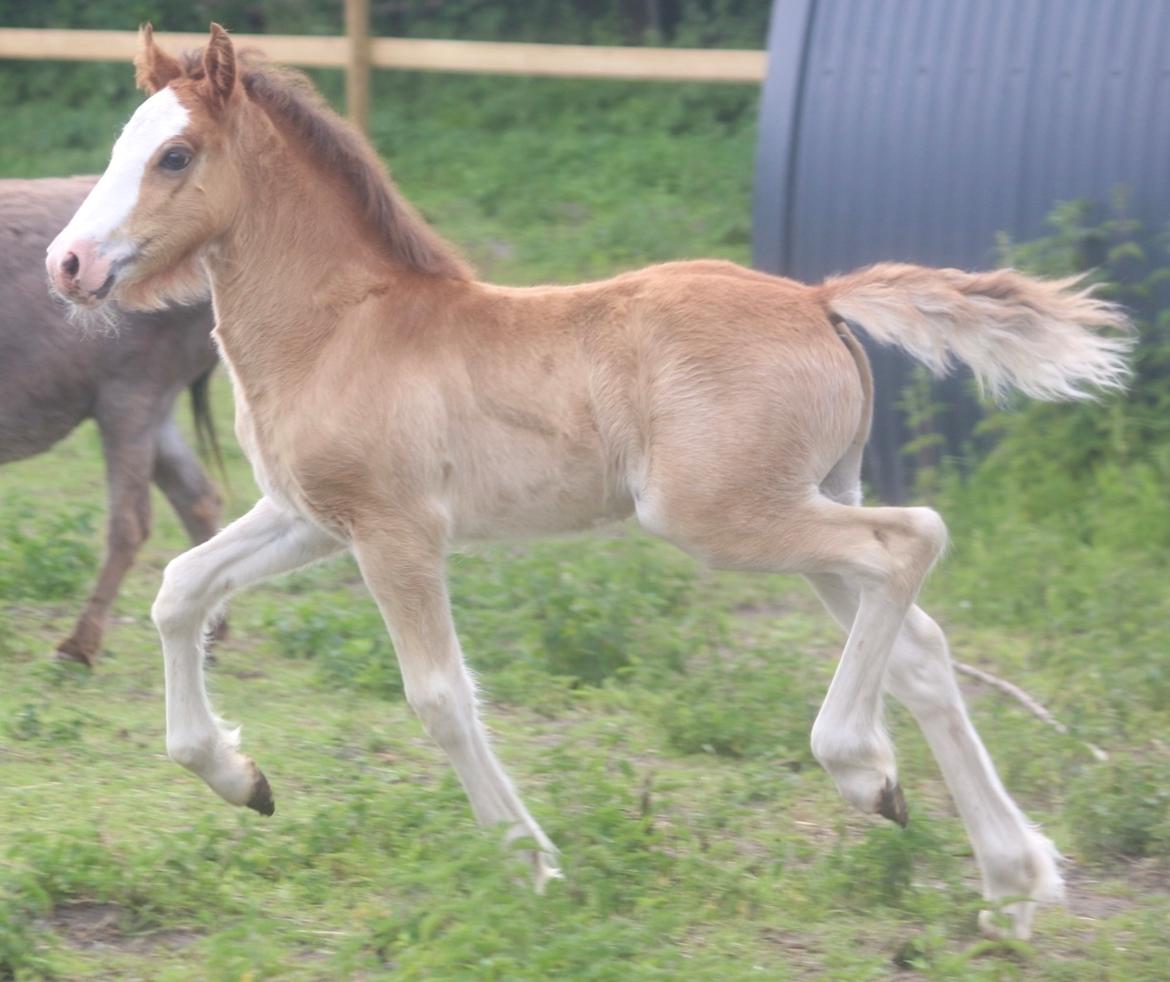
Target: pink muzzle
[(77, 270)]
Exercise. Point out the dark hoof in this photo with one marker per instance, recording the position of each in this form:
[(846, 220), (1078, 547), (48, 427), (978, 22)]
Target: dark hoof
[(891, 804), (71, 651), (261, 800)]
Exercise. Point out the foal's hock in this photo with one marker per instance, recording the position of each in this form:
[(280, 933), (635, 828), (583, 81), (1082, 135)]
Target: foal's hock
[(391, 405)]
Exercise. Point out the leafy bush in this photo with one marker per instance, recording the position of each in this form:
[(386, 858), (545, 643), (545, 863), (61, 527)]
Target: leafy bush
[(44, 723), (882, 868), (745, 708), (346, 638), (588, 609), (1123, 808), (1067, 519), (47, 555), (1130, 265), (1062, 533)]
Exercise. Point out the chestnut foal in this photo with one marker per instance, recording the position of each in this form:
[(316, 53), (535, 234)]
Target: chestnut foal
[(391, 405)]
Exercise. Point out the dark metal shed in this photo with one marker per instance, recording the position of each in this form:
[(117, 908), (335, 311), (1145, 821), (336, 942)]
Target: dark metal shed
[(917, 130)]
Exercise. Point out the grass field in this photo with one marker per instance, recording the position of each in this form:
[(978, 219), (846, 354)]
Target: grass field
[(655, 715)]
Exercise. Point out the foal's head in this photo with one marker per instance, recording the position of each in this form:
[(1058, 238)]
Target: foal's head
[(187, 161), (170, 187)]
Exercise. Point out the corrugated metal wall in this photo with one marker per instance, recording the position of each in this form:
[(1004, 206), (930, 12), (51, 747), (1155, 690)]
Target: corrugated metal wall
[(918, 129)]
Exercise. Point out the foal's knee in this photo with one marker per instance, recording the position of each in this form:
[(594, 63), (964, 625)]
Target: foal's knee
[(445, 703), (920, 675), (177, 608), (908, 542)]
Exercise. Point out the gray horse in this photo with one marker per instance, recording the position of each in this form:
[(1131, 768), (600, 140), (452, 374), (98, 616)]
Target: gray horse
[(54, 375)]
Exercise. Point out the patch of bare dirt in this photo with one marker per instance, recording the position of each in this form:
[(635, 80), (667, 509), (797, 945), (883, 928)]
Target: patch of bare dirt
[(100, 925), (1102, 893)]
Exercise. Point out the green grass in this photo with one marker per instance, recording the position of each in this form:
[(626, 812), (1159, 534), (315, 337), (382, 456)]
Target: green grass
[(654, 715)]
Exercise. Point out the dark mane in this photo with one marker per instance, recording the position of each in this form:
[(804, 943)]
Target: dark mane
[(291, 101)]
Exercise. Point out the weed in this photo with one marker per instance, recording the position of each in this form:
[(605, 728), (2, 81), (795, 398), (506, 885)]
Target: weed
[(1122, 808), (44, 555)]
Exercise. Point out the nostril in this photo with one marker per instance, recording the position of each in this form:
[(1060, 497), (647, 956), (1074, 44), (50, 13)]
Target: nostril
[(70, 265)]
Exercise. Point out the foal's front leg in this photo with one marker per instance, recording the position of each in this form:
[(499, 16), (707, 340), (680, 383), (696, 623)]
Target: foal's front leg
[(266, 541), (404, 570)]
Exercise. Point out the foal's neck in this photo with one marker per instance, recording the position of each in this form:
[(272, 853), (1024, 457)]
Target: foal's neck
[(294, 262)]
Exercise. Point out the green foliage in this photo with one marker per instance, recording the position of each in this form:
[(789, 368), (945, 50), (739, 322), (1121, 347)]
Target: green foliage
[(583, 608), (22, 953), (47, 555), (1123, 808), (745, 708), (881, 869), (345, 637), (923, 412), (694, 23), (586, 610), (1063, 531), (80, 90), (44, 724), (1130, 265)]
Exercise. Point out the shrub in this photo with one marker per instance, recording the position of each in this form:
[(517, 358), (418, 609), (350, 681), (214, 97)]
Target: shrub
[(46, 555), (742, 708), (346, 638), (1122, 808), (588, 609)]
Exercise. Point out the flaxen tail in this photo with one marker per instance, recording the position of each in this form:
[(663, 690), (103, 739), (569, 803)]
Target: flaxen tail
[(1014, 331)]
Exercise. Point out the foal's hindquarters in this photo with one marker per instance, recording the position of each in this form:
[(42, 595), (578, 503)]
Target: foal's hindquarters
[(760, 469)]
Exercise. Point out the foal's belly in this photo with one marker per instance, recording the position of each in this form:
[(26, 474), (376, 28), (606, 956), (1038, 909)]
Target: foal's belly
[(538, 495)]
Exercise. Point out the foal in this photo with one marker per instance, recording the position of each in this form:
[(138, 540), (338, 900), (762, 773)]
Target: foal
[(391, 405)]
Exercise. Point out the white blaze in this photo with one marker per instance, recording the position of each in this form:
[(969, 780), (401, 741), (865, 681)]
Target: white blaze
[(158, 119)]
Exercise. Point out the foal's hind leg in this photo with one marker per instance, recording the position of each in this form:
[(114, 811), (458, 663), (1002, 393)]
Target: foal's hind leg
[(265, 542), (1016, 860), (885, 553), (403, 567)]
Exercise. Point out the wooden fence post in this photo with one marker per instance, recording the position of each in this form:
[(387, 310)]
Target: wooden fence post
[(357, 68)]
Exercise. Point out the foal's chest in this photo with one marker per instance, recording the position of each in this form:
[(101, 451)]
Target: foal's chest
[(262, 444)]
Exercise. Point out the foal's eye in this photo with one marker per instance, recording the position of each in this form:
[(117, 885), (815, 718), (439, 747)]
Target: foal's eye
[(175, 159)]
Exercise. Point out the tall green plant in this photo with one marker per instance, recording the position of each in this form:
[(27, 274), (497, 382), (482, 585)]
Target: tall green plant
[(1129, 264)]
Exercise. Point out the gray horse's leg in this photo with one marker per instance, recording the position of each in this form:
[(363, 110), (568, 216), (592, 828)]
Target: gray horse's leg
[(196, 501), (129, 447), (181, 478)]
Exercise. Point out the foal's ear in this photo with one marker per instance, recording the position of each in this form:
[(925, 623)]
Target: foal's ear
[(219, 64), (154, 69)]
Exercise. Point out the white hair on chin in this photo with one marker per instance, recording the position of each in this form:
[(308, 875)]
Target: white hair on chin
[(102, 319)]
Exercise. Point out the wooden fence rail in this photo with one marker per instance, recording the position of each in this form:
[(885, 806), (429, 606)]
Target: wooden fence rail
[(498, 58)]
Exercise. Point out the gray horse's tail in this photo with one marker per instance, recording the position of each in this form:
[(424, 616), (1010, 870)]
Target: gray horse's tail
[(206, 436)]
